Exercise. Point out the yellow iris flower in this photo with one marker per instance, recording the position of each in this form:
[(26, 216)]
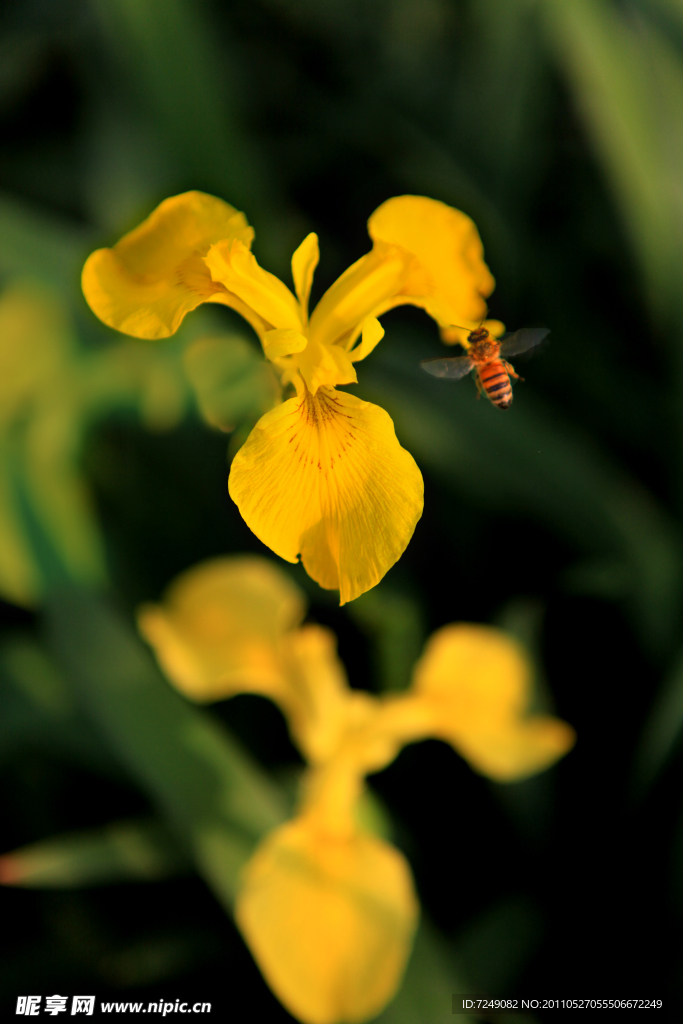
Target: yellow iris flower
[(328, 909), (321, 476)]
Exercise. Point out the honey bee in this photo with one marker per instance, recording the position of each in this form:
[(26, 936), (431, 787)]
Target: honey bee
[(485, 356)]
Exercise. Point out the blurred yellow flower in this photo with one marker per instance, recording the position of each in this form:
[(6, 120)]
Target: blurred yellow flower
[(328, 910), (322, 476)]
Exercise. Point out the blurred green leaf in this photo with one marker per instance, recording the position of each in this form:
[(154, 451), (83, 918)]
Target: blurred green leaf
[(522, 618), (495, 947), (20, 579), (36, 342), (124, 851), (396, 624), (41, 246), (530, 462), (628, 83), (20, 57), (430, 982), (32, 672), (57, 513), (607, 578), (512, 97), (161, 957), (128, 165), (132, 375), (216, 799), (166, 49), (43, 502), (232, 382), (39, 710), (50, 392), (661, 734), (529, 803)]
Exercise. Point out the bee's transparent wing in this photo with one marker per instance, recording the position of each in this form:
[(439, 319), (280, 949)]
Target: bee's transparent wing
[(522, 340), (453, 368)]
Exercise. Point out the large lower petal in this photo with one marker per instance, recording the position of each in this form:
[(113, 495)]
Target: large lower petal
[(330, 921), (153, 277), (323, 476), (447, 246)]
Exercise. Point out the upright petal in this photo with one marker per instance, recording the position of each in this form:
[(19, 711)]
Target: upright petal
[(233, 266), (372, 333), (477, 681), (324, 476), (219, 628), (329, 921), (365, 287), (304, 262), (153, 277), (447, 247)]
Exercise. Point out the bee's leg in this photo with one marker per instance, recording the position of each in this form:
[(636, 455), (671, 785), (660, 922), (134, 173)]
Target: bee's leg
[(480, 387), (511, 370)]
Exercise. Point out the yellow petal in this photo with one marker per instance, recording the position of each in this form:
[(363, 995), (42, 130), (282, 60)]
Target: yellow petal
[(480, 671), (232, 265), (220, 625), (372, 333), (279, 343), (522, 749), (329, 921), (361, 290), (304, 262), (153, 277), (319, 701), (325, 366), (447, 246), (325, 477), (478, 682)]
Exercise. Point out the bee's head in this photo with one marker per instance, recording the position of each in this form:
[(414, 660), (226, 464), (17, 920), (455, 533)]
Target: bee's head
[(479, 334)]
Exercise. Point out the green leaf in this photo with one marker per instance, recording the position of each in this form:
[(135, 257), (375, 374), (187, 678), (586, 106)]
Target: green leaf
[(232, 382), (662, 731), (431, 980), (32, 672), (167, 52), (123, 851), (395, 622), (216, 799), (495, 947), (529, 803), (57, 511), (40, 246), (39, 710), (628, 83), (20, 579)]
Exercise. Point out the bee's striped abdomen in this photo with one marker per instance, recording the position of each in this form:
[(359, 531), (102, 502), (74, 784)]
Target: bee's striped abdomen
[(495, 381)]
